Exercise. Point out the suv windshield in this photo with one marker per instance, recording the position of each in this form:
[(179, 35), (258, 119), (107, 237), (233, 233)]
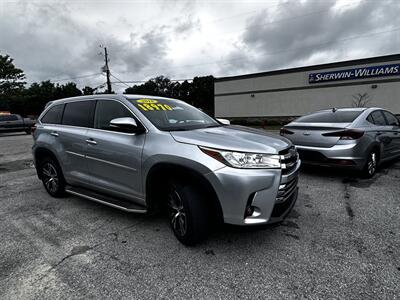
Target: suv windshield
[(339, 116), (170, 115)]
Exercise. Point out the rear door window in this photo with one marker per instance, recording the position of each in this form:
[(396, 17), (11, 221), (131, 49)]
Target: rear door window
[(391, 119), (378, 118), (330, 117), (79, 113), (53, 115)]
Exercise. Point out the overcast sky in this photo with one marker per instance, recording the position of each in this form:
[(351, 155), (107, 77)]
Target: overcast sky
[(182, 39)]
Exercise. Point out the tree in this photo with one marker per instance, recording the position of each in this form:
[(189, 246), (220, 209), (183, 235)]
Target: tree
[(11, 78), (202, 94), (360, 100), (87, 90), (199, 92), (67, 90)]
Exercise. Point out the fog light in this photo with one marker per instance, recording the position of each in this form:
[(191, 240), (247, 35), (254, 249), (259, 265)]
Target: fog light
[(249, 211)]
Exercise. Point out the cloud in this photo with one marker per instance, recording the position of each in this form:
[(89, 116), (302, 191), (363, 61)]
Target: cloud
[(48, 42), (182, 39), (298, 33)]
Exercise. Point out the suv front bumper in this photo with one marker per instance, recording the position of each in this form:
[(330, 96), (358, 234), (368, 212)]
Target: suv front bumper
[(269, 192)]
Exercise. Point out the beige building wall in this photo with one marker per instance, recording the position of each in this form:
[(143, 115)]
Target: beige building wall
[(291, 94)]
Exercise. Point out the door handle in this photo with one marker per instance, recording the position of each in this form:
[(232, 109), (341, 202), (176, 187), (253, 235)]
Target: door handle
[(54, 133), (91, 141), (379, 133)]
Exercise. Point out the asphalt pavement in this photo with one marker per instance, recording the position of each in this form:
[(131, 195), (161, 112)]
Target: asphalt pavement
[(341, 241)]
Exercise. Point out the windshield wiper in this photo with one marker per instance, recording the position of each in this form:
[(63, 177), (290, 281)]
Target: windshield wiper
[(212, 125)]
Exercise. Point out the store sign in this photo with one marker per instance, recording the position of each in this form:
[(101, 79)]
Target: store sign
[(357, 73)]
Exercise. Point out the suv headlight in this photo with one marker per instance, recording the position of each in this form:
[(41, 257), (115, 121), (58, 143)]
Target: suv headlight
[(244, 160)]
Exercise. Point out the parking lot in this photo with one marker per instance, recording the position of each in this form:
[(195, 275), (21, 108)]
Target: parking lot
[(341, 241)]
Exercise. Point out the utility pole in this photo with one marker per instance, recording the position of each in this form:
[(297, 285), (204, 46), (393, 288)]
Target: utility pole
[(107, 70)]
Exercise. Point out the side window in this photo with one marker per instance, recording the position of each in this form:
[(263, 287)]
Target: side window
[(7, 118), (370, 119), (378, 118), (53, 115), (106, 110), (391, 119), (79, 113)]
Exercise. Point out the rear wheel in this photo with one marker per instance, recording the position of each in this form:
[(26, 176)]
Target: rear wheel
[(52, 177), (371, 164), (188, 213)]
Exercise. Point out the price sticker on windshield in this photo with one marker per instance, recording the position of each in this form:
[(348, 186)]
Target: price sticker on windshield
[(152, 105)]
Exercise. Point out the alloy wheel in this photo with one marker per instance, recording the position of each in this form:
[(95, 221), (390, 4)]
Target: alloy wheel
[(177, 215), (50, 178), (372, 163)]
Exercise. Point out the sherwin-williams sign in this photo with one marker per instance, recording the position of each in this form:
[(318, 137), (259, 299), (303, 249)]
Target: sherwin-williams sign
[(357, 73)]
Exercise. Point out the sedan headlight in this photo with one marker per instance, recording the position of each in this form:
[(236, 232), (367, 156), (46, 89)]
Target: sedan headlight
[(244, 160)]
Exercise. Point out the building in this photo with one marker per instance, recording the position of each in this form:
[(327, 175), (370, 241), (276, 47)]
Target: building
[(293, 92)]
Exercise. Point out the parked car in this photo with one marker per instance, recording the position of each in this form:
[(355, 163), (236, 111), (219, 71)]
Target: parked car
[(15, 123), (140, 154), (355, 138)]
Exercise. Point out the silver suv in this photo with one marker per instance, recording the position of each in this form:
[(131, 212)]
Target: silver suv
[(144, 153)]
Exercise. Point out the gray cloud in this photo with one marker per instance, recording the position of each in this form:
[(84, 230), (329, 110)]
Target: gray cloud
[(48, 42), (313, 31), (54, 39)]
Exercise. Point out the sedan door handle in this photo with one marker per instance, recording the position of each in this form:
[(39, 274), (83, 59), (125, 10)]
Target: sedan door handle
[(379, 133), (91, 142), (54, 133)]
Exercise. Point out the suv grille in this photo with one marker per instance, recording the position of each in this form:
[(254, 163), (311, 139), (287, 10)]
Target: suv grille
[(289, 158), (286, 190)]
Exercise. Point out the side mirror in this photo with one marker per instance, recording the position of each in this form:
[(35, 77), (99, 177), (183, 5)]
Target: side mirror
[(127, 125), (224, 121)]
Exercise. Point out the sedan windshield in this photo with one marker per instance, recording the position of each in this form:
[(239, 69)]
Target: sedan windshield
[(170, 115), (339, 116)]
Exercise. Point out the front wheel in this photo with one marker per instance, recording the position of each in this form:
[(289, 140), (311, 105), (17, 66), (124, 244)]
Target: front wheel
[(52, 177), (188, 213), (371, 164)]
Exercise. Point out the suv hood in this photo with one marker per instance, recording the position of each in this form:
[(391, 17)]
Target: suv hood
[(236, 138)]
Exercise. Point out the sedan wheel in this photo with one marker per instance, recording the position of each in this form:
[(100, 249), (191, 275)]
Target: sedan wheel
[(372, 163)]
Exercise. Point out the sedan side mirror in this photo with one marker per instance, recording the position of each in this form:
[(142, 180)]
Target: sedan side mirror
[(224, 121), (127, 125)]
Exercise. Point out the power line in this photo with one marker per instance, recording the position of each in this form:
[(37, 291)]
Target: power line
[(77, 77), (119, 80), (143, 81), (292, 18), (277, 52)]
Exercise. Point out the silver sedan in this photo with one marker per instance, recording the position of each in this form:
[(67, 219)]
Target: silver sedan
[(356, 138)]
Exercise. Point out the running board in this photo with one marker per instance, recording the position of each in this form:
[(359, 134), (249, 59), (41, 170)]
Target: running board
[(114, 202)]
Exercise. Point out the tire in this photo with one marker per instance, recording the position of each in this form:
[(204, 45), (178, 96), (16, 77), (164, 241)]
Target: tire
[(371, 164), (52, 177), (188, 213)]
